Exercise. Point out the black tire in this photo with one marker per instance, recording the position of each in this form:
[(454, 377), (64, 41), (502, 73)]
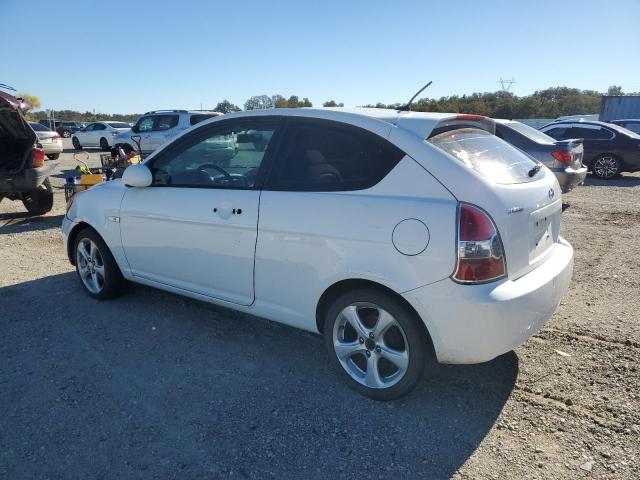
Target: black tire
[(39, 201), (418, 349), (104, 145), (76, 143), (66, 133), (605, 166), (113, 283), (53, 156)]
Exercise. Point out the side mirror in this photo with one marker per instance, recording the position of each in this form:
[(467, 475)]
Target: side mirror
[(135, 129), (137, 176)]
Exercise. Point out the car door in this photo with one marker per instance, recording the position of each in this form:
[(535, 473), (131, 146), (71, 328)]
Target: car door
[(195, 228), (84, 136), (144, 128), (164, 128), (597, 140), (99, 131)]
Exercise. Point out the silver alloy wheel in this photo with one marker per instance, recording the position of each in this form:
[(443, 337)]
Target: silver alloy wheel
[(66, 133), (605, 167), (363, 343), (90, 265)]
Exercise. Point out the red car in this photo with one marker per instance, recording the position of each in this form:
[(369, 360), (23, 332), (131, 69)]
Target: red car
[(23, 174)]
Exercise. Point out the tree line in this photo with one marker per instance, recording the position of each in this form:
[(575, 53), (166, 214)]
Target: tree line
[(549, 103)]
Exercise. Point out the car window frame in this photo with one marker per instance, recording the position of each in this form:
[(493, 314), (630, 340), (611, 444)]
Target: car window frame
[(205, 131), (156, 119), (270, 184), (589, 126)]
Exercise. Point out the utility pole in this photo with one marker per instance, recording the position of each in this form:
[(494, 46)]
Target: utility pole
[(506, 84)]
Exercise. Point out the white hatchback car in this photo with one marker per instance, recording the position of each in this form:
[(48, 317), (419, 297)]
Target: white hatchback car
[(98, 134), (402, 237)]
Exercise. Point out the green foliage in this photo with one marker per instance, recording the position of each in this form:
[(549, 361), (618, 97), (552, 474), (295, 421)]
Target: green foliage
[(258, 102), (226, 106), (332, 103), (31, 99), (72, 115)]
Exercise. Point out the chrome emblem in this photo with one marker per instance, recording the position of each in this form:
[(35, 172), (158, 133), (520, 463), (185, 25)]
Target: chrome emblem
[(551, 193)]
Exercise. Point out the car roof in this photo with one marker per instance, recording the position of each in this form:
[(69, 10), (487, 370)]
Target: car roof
[(626, 120), (419, 123), (586, 122)]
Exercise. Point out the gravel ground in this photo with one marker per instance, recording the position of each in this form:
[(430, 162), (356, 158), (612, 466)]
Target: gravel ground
[(158, 386)]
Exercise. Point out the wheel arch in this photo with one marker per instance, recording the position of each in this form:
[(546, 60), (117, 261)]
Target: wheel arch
[(73, 234), (338, 288)]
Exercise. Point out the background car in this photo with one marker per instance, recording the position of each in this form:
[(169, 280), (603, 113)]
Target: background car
[(157, 127), (608, 149), (632, 124), (406, 237), (23, 174), (50, 141), (98, 134), (64, 127), (562, 157)]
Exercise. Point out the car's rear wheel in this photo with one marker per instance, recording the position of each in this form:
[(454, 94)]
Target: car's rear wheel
[(76, 143), (375, 343), (40, 200), (97, 269), (66, 133), (104, 145), (605, 166), (53, 156)]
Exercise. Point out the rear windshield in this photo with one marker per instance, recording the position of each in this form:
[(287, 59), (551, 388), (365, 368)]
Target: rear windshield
[(488, 155), (118, 125), (531, 133), (38, 127)]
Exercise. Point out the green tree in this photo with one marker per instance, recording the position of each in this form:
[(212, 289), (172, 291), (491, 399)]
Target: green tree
[(226, 106), (31, 99), (258, 102), (332, 103), (279, 101), (614, 90)]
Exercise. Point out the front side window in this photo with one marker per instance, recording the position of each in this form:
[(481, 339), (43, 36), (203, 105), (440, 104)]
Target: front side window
[(165, 122), (321, 155), (597, 133), (90, 127), (145, 124), (222, 157)]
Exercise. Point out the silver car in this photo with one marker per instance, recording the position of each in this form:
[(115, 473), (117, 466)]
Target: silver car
[(562, 157), (51, 141)]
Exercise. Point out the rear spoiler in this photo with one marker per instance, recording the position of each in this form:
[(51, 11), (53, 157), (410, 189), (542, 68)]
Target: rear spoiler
[(464, 120)]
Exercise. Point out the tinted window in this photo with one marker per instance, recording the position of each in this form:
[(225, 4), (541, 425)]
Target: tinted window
[(145, 124), (222, 157), (559, 133), (39, 127), (633, 126), (99, 126), (165, 122), (118, 125), (90, 127), (493, 158), (597, 133), (329, 156), (199, 117), (530, 132)]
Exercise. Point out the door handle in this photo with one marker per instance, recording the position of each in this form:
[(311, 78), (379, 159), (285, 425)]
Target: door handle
[(234, 211)]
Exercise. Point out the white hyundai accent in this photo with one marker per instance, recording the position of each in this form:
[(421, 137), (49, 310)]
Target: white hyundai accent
[(404, 238)]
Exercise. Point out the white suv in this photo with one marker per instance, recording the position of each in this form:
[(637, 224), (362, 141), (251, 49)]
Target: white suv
[(158, 126)]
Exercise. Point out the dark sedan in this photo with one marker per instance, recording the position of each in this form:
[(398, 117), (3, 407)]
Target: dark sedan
[(608, 149), (563, 158)]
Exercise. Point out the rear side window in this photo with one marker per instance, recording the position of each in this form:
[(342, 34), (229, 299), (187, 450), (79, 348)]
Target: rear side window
[(322, 155), (199, 117), (119, 125), (597, 133), (488, 155), (559, 133), (99, 126), (165, 122), (39, 127)]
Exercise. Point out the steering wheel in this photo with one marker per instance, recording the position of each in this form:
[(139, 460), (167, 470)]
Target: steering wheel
[(232, 178), (215, 167)]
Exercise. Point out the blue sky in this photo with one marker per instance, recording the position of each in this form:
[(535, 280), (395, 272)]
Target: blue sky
[(125, 57)]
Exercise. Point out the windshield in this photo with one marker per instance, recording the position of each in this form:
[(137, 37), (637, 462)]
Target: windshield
[(488, 155), (531, 133), (118, 125)]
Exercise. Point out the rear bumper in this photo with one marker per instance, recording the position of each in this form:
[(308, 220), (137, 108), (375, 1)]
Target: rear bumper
[(52, 148), (27, 180), (475, 323), (568, 177)]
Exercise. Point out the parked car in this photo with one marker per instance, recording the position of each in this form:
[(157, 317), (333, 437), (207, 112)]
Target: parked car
[(632, 124), (23, 173), (49, 140), (608, 149), (63, 127), (562, 157), (402, 237), (98, 134), (157, 127)]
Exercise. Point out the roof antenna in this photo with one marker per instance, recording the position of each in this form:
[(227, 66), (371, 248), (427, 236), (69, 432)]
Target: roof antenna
[(407, 107)]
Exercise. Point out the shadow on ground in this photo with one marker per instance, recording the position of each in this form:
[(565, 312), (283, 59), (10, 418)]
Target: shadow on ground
[(19, 222), (156, 385), (618, 181)]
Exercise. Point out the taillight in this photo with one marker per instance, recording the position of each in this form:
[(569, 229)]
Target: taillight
[(55, 137), (114, 133), (563, 156), (38, 158), (480, 253)]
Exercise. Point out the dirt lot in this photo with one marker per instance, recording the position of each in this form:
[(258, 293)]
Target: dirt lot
[(157, 386)]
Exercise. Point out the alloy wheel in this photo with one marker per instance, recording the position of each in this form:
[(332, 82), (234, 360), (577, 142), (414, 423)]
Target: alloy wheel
[(606, 167), (371, 345), (90, 265)]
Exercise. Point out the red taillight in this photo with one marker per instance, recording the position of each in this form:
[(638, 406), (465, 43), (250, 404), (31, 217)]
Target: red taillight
[(480, 253), (468, 116), (563, 156), (55, 137), (114, 133), (38, 158)]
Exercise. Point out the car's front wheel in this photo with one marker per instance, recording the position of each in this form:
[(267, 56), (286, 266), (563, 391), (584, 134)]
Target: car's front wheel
[(96, 267), (605, 166), (375, 343)]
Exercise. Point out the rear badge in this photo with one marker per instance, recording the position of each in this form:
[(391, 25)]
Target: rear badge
[(514, 210), (551, 194)]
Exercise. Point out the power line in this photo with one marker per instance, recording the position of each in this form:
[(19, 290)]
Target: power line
[(506, 84)]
